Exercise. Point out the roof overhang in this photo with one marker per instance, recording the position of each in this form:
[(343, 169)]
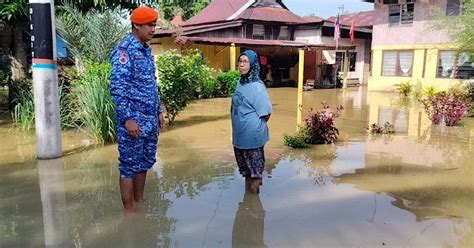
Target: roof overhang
[(182, 40), (196, 29)]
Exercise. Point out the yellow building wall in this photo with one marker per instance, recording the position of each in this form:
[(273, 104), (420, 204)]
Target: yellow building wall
[(161, 45), (377, 82), (218, 56)]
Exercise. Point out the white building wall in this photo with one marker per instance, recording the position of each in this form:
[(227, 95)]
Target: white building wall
[(330, 55), (312, 36)]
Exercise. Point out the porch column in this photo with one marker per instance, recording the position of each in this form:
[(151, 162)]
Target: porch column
[(232, 56), (346, 68), (299, 107)]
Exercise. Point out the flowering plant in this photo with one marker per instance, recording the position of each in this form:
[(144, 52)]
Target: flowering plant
[(320, 125), (449, 106)]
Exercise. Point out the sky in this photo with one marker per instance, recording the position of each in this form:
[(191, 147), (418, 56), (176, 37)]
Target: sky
[(326, 8)]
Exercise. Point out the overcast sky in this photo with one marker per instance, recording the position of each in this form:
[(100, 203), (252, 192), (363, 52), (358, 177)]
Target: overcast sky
[(326, 8)]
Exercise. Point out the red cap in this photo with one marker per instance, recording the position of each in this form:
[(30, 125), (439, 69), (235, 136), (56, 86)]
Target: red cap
[(144, 15)]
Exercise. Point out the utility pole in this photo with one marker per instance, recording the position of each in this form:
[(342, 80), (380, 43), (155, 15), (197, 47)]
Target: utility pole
[(45, 79)]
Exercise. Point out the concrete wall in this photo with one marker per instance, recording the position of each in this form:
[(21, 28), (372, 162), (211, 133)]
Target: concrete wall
[(312, 36), (421, 31), (420, 37), (425, 66)]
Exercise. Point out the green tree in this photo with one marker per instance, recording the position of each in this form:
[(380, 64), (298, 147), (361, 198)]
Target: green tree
[(91, 36), (189, 7), (15, 40), (461, 27), (13, 43)]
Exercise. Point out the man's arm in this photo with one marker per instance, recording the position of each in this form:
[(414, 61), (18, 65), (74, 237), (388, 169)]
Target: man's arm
[(119, 89)]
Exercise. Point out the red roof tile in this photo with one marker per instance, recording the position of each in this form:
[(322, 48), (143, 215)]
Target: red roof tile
[(361, 19), (218, 10), (270, 14)]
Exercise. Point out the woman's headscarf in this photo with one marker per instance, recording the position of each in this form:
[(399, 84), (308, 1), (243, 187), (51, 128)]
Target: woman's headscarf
[(254, 73)]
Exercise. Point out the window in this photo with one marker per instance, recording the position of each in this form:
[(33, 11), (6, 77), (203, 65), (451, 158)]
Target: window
[(453, 7), (455, 65), (399, 14), (258, 32), (397, 63), (284, 33), (340, 61)]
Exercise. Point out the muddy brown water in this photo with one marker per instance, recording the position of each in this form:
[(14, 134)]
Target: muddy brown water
[(411, 189)]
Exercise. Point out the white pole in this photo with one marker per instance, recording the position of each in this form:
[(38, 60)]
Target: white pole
[(53, 201), (45, 79)]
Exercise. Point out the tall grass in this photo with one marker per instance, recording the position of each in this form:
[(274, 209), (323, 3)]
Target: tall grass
[(95, 107), (24, 112)]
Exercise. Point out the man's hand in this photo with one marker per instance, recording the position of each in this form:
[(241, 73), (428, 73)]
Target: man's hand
[(133, 129), (162, 121)]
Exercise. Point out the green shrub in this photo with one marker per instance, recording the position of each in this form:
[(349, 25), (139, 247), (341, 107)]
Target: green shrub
[(295, 141), (95, 108), (209, 85), (228, 82), (430, 91), (404, 88), (180, 76)]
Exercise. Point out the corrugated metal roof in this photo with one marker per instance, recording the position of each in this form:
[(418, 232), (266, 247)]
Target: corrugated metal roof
[(361, 19), (196, 29), (181, 40), (270, 14), (313, 19), (218, 10)]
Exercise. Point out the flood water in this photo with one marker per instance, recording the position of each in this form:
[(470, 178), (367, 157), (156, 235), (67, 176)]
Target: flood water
[(411, 189)]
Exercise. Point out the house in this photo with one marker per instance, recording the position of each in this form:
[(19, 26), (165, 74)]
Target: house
[(227, 27), (321, 32), (406, 46)]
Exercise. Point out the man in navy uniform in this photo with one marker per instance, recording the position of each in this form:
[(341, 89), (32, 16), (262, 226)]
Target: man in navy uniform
[(137, 105)]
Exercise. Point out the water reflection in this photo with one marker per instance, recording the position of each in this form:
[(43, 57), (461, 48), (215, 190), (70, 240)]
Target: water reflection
[(53, 200), (411, 189), (249, 224)]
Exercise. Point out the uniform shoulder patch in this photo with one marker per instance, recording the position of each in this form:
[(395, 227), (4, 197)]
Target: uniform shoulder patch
[(123, 57)]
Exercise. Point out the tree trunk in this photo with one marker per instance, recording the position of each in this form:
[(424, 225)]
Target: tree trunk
[(14, 48), (19, 60)]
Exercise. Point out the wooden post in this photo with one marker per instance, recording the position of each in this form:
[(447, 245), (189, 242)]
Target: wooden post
[(299, 106), (346, 68), (232, 56)]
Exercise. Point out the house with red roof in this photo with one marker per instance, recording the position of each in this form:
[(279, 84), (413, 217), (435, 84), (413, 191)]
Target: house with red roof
[(225, 28), (319, 31)]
